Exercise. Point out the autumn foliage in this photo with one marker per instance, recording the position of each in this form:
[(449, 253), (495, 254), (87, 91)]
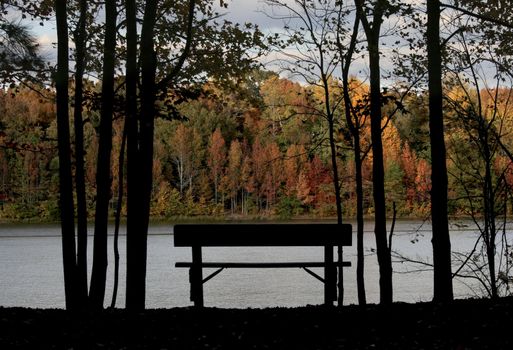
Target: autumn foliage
[(231, 154)]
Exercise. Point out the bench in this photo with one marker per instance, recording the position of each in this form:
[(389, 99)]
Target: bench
[(198, 236)]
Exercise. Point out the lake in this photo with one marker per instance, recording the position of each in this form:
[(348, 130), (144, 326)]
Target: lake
[(31, 270)]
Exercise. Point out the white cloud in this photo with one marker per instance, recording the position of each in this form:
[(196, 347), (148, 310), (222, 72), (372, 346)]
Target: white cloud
[(46, 40)]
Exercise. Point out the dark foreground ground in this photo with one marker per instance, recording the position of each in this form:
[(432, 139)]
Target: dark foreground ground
[(466, 324)]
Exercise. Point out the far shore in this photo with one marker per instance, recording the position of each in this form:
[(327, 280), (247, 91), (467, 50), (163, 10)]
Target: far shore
[(230, 218)]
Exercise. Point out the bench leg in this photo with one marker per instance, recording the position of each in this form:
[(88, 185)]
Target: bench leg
[(196, 277), (330, 277), (340, 278)]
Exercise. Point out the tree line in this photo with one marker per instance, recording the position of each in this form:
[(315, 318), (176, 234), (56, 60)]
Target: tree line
[(236, 155), (182, 121)]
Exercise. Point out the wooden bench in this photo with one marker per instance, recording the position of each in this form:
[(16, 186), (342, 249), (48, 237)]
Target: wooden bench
[(262, 235)]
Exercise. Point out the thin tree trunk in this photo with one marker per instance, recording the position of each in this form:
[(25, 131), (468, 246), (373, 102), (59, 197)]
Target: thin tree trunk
[(360, 260), (103, 180), (443, 291), (354, 128), (378, 174), (490, 217), (372, 33), (65, 177), (338, 201), (215, 189), (119, 206), (80, 35), (133, 194), (489, 205)]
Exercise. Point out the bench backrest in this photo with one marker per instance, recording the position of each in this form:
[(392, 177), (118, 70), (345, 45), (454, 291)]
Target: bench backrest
[(255, 235)]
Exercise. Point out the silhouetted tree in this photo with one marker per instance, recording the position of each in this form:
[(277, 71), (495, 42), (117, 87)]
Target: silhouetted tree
[(141, 168), (441, 240), (372, 32), (65, 176), (353, 121), (480, 170), (19, 52), (132, 125), (80, 186), (103, 182)]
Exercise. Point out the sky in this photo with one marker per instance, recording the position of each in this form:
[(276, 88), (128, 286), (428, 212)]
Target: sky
[(239, 11), (250, 11)]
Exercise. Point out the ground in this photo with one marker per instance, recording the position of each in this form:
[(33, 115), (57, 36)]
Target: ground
[(464, 324)]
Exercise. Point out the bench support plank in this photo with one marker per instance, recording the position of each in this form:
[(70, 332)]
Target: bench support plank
[(212, 275), (245, 265), (310, 272)]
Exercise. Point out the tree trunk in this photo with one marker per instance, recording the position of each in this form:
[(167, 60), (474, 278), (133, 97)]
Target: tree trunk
[(133, 194), (441, 241), (360, 260), (80, 37), (378, 172), (489, 194), (119, 206), (103, 179), (490, 217), (63, 141), (355, 131), (372, 33), (338, 199), (136, 273), (354, 128)]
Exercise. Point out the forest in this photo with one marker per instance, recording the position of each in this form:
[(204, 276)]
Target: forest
[(162, 109), (254, 152)]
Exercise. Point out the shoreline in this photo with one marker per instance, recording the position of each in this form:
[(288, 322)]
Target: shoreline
[(229, 219), (463, 324)]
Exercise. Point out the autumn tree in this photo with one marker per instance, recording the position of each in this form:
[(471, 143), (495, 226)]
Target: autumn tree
[(233, 174), (286, 104), (295, 160), (216, 159), (248, 186), (186, 154), (274, 173)]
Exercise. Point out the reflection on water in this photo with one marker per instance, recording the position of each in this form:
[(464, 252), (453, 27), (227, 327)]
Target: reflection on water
[(31, 270)]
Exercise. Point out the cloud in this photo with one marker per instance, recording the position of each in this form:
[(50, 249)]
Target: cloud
[(46, 40), (252, 11)]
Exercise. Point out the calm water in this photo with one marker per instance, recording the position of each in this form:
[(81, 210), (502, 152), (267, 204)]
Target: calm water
[(31, 270)]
